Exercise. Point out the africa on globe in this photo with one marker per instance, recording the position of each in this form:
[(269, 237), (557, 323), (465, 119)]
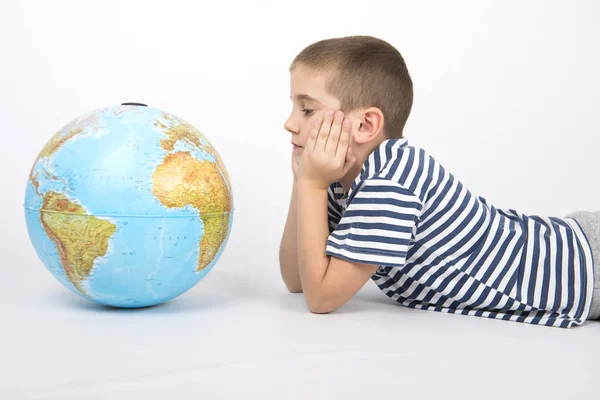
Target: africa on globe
[(128, 206)]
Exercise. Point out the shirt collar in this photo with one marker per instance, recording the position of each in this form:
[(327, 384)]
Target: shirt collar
[(377, 160)]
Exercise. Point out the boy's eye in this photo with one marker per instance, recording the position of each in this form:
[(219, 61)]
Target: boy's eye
[(307, 111)]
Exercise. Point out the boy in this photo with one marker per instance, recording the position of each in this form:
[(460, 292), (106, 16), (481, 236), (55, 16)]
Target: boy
[(366, 205)]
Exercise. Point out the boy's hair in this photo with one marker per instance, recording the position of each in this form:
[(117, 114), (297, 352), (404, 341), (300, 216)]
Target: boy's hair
[(365, 72)]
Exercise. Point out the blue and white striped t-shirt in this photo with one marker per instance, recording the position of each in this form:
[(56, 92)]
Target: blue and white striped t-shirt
[(441, 248)]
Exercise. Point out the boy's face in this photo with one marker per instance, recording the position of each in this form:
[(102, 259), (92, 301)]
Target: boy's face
[(310, 101)]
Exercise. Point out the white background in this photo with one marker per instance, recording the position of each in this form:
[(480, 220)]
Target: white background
[(507, 95)]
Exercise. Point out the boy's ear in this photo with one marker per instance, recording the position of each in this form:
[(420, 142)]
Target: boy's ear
[(370, 125)]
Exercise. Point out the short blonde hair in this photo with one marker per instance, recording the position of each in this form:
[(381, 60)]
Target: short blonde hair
[(365, 72)]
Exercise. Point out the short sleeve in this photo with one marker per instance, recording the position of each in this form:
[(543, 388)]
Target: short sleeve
[(377, 225), (334, 210)]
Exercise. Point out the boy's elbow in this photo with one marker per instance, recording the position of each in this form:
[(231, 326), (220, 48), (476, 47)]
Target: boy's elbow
[(320, 305), (320, 309), (293, 288), (293, 285)]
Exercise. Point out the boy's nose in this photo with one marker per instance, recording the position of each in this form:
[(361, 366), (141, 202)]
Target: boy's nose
[(290, 127)]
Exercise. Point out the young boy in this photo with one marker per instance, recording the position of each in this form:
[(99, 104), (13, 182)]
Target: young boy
[(366, 205)]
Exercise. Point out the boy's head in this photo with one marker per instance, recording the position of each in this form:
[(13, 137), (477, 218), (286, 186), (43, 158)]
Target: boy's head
[(363, 76)]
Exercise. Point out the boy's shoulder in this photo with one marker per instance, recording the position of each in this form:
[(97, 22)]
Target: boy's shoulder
[(396, 163)]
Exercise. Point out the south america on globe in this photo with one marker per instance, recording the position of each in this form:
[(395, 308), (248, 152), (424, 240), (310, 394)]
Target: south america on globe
[(129, 206)]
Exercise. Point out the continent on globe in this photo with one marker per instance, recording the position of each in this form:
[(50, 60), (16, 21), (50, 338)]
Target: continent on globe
[(57, 141), (48, 150), (182, 180), (181, 130), (80, 238)]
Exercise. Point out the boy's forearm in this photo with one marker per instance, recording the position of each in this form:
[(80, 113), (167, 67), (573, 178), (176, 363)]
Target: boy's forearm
[(312, 239), (288, 250)]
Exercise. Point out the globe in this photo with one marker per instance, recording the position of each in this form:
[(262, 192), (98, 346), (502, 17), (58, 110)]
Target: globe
[(128, 206)]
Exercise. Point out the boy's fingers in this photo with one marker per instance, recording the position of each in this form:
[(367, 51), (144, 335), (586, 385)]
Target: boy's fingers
[(349, 161), (344, 141), (334, 133), (314, 134), (324, 131)]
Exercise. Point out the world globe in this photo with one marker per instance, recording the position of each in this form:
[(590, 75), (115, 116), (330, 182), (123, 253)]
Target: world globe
[(128, 206)]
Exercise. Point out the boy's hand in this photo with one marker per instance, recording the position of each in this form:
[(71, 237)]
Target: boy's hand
[(327, 156), (296, 157)]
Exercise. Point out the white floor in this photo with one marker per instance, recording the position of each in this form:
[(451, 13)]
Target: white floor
[(237, 334)]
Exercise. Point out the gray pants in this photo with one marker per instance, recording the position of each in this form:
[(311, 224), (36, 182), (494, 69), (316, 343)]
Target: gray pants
[(590, 223)]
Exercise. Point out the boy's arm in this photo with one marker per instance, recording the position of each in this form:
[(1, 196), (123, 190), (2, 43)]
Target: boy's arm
[(288, 250), (327, 282)]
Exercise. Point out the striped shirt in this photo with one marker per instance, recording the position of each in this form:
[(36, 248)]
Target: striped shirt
[(439, 247)]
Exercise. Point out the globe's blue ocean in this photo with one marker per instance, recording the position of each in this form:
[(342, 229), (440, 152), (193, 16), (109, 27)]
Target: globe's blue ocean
[(107, 169)]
